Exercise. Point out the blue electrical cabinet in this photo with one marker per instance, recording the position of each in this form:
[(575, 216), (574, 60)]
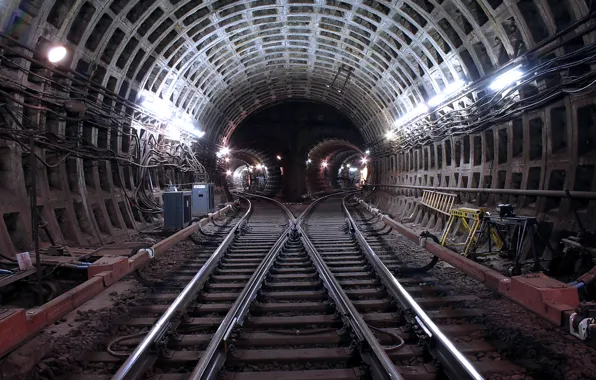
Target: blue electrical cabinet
[(203, 199), (176, 210)]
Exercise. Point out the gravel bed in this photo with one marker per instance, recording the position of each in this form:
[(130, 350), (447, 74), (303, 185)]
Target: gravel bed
[(546, 351)]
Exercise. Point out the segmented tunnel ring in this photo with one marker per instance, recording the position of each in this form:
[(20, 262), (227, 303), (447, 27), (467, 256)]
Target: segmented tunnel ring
[(236, 58)]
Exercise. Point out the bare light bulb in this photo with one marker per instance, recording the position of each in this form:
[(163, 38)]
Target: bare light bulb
[(57, 54)]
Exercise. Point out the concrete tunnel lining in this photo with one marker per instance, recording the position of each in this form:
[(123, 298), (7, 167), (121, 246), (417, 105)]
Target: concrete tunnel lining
[(222, 60)]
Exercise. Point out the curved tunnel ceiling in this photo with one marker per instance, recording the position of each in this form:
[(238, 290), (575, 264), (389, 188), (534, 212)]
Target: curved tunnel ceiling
[(222, 60)]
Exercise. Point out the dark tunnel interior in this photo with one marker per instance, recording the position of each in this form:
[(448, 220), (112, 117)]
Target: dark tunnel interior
[(290, 130)]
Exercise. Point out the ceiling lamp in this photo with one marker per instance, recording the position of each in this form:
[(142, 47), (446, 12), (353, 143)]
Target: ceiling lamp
[(57, 54)]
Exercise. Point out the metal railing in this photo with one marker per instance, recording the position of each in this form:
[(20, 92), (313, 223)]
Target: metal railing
[(454, 363), (441, 202)]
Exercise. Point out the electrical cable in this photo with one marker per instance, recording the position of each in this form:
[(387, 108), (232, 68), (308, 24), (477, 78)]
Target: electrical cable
[(401, 341), (120, 339)]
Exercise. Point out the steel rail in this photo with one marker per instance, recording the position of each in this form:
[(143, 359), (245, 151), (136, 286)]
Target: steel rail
[(214, 356), (144, 354), (381, 365), (455, 365)]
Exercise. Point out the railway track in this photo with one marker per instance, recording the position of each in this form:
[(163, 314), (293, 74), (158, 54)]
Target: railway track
[(297, 299)]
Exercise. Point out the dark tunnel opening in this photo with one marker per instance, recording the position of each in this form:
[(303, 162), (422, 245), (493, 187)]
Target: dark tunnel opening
[(289, 130)]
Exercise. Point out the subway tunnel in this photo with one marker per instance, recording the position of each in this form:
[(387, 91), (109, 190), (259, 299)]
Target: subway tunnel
[(118, 99), (367, 126)]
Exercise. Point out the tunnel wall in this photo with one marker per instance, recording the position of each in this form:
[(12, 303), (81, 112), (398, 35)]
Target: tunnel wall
[(128, 46), (550, 149), (84, 202)]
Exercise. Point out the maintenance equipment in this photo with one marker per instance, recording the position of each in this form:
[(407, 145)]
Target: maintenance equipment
[(469, 219)]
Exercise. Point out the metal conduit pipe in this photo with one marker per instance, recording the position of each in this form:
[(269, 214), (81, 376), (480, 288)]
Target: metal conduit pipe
[(517, 192)]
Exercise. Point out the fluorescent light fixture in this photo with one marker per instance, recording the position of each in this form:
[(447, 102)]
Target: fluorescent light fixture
[(455, 86), (186, 123), (279, 158), (57, 54), (417, 111), (259, 166), (153, 104), (420, 109), (506, 79), (449, 90), (172, 132), (353, 169)]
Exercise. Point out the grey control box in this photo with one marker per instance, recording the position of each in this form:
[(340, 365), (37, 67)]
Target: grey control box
[(203, 199)]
